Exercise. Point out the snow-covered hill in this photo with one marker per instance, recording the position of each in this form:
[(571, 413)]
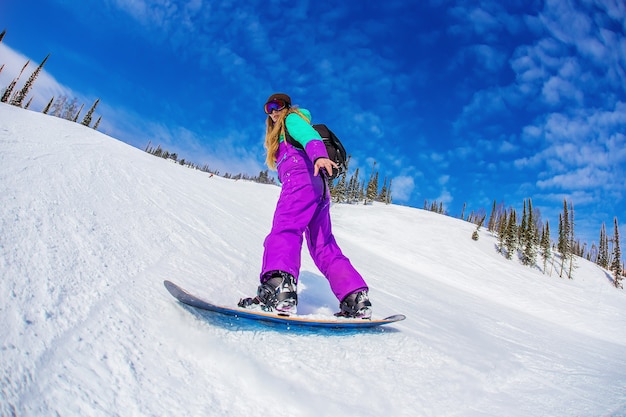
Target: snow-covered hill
[(90, 227)]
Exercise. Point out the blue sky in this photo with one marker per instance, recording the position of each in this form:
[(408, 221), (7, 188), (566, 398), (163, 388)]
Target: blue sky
[(456, 101)]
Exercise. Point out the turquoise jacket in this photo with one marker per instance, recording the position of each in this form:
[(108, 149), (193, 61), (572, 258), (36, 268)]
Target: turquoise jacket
[(301, 129)]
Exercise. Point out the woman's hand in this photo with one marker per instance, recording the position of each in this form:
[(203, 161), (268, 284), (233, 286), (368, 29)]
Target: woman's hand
[(324, 163)]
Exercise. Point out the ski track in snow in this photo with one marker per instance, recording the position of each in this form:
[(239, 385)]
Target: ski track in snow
[(90, 228)]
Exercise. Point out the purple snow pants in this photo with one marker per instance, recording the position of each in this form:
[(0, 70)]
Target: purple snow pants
[(303, 208)]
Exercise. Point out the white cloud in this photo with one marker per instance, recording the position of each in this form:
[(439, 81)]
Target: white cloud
[(557, 91), (402, 187), (445, 197)]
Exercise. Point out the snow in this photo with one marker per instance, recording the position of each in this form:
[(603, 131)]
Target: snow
[(90, 228)]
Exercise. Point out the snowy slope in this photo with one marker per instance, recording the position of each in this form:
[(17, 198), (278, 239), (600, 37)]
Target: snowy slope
[(90, 227)]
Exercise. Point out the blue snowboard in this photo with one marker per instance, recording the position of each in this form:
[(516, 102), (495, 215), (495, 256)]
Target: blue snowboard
[(305, 321)]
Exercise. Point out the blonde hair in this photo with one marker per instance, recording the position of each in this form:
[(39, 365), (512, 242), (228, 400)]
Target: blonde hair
[(273, 132)]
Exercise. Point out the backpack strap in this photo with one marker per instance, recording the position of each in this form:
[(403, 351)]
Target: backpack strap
[(290, 140)]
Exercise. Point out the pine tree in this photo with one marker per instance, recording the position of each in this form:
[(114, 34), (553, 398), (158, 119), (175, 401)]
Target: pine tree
[(545, 246), (4, 32), (563, 244), (571, 240), (19, 99), (603, 248), (491, 225), (361, 191), (97, 123), (616, 266), (501, 225), (510, 240), (353, 188), (372, 186), (75, 119), (521, 232), (479, 223), (382, 196), (47, 108), (9, 89), (87, 120), (529, 233)]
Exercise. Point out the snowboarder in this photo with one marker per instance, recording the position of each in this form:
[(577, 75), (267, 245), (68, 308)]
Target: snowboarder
[(303, 207)]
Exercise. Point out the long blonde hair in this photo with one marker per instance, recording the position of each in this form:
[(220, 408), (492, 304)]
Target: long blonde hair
[(273, 133)]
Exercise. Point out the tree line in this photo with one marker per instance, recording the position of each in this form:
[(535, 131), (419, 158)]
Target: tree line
[(62, 107), (343, 189), (355, 190), (264, 177), (528, 238)]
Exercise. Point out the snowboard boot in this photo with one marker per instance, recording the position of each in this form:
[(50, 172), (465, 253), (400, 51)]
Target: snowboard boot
[(277, 294), (356, 305)]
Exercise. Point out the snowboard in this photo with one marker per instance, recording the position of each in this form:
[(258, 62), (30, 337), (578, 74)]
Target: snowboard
[(267, 317)]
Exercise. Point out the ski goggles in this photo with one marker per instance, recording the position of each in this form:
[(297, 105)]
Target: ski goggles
[(274, 105)]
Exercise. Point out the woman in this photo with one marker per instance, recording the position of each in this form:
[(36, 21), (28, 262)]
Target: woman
[(302, 208)]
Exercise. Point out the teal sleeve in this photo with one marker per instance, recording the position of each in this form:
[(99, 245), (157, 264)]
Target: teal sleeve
[(301, 130)]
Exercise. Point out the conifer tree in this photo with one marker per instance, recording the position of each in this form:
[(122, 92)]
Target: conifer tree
[(560, 245), (563, 244), (352, 193), (502, 225), (338, 189), (545, 246), (529, 239), (75, 119), (372, 186), (479, 223), (47, 108), (7, 93), (382, 196), (350, 187), (616, 266), (19, 99), (603, 248), (521, 232), (361, 191), (4, 32), (97, 123), (87, 120), (510, 241), (571, 240), (491, 225)]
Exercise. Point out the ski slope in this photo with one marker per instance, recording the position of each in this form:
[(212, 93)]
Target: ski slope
[(90, 227)]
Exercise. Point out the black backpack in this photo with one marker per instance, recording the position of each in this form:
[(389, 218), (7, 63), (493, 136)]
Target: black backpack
[(336, 151)]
